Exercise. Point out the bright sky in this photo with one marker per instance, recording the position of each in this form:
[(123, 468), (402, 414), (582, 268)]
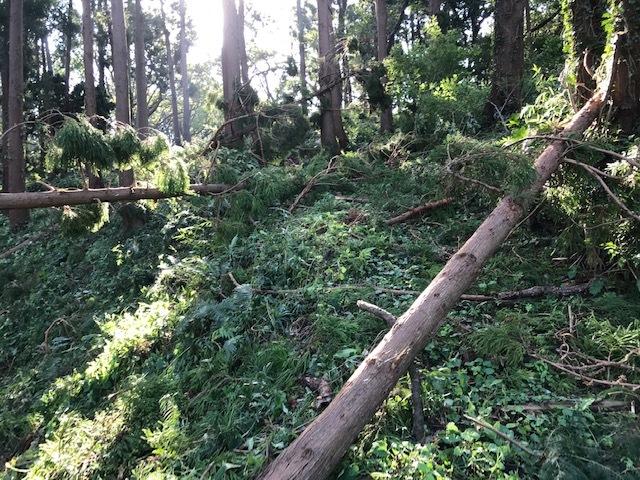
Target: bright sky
[(278, 16)]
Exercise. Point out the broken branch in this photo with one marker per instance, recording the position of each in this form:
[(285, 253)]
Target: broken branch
[(415, 211)]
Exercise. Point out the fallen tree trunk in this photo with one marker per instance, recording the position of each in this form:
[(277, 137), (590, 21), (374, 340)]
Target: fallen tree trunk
[(317, 451), (58, 198)]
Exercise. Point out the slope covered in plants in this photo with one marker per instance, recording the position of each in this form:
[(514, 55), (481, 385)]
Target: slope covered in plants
[(203, 342)]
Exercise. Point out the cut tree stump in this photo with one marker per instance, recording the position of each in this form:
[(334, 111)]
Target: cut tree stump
[(317, 451)]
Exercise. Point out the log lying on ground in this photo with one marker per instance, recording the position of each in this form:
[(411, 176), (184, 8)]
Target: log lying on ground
[(58, 198), (317, 451)]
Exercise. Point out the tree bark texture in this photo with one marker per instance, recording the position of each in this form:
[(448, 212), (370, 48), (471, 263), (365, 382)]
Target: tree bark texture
[(231, 74), (386, 116), (90, 99), (120, 53), (67, 49), (58, 198), (172, 79), (15, 163), (332, 134), (317, 451), (186, 108), (589, 41), (508, 59), (302, 47), (626, 82), (142, 107)]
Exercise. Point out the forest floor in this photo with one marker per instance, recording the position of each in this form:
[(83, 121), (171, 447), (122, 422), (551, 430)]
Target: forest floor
[(201, 344)]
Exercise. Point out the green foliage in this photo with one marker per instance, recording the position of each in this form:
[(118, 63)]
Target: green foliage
[(78, 142), (173, 177), (82, 219)]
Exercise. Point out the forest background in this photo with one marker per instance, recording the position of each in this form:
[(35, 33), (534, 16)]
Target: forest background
[(198, 261)]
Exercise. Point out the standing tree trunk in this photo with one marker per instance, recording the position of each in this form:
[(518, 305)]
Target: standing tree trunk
[(186, 109), (332, 134), (626, 89), (172, 79), (15, 163), (120, 53), (508, 59), (101, 41), (317, 451), (67, 50), (90, 98), (386, 116), (346, 92), (231, 69), (142, 108), (4, 76), (302, 52)]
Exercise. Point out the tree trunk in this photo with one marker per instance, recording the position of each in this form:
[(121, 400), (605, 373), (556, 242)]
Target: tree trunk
[(320, 447), (508, 59), (346, 92), (4, 76), (90, 100), (58, 198), (172, 80), (101, 41), (120, 53), (386, 116), (302, 47), (231, 71), (15, 171), (588, 43), (328, 130), (242, 45), (67, 50), (47, 52), (626, 89), (186, 109), (142, 108)]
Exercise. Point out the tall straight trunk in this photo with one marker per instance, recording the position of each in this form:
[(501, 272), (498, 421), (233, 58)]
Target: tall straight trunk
[(242, 45), (90, 100), (626, 89), (67, 49), (317, 451), (231, 70), (186, 108), (4, 76), (47, 52), (386, 116), (508, 59), (327, 127), (102, 36), (120, 53), (175, 118), (302, 53), (15, 171), (142, 108), (346, 93), (332, 134)]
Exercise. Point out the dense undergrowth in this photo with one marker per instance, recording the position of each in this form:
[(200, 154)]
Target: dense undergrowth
[(179, 348)]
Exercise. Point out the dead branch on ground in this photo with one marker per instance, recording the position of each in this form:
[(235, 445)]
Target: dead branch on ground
[(312, 183), (417, 210)]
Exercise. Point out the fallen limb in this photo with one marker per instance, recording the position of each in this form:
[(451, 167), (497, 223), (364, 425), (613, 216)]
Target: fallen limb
[(596, 405), (21, 245), (522, 447), (415, 211), (317, 451), (311, 184), (59, 198)]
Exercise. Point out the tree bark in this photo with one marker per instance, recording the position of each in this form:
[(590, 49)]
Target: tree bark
[(15, 163), (328, 128), (58, 198), (90, 99), (302, 53), (321, 446), (508, 59), (186, 108), (231, 71), (120, 53), (386, 116), (142, 107), (172, 79)]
